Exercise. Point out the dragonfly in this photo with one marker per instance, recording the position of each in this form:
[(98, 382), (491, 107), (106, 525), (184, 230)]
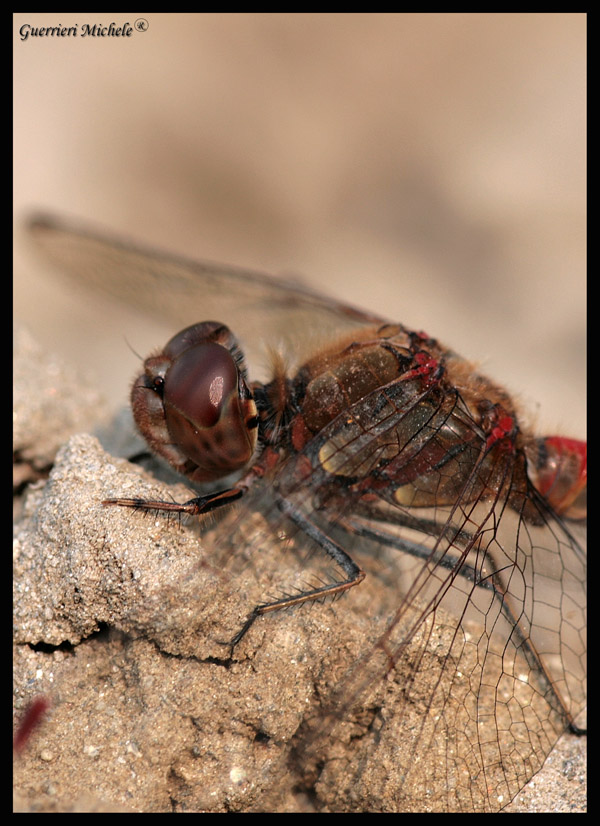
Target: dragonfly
[(367, 436)]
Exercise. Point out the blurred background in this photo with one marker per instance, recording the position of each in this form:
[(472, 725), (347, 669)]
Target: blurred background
[(430, 167)]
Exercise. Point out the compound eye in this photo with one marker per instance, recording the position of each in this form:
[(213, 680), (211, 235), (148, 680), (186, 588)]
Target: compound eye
[(210, 420), (198, 384)]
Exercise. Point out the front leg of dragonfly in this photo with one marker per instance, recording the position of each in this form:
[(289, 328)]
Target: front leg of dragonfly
[(193, 507)]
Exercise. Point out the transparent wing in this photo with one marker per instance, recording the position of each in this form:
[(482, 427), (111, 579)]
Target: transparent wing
[(482, 655), (183, 292), (483, 674)]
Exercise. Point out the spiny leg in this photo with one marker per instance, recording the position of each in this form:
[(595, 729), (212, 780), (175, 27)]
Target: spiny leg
[(354, 574), (193, 507)]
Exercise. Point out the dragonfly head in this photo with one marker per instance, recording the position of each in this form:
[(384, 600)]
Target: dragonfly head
[(193, 405)]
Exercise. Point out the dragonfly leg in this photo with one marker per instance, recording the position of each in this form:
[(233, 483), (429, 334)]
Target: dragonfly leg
[(354, 574), (391, 539), (193, 507)]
